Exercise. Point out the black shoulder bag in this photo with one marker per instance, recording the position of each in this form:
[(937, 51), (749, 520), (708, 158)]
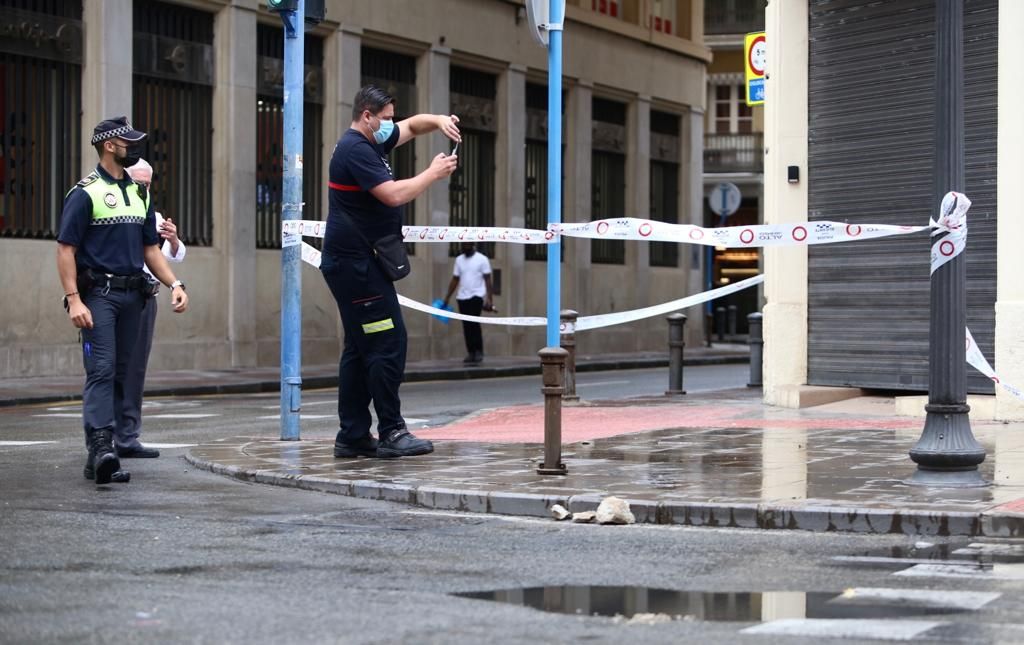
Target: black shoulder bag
[(390, 253)]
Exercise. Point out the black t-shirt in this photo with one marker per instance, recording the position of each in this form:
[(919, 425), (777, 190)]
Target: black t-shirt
[(357, 166)]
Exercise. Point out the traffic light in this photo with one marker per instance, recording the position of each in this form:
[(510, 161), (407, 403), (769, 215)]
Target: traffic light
[(283, 5)]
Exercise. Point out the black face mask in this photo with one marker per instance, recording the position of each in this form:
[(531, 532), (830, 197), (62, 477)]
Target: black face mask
[(132, 154), (469, 252)]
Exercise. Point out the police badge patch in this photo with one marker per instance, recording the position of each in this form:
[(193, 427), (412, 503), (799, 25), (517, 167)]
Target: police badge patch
[(110, 200)]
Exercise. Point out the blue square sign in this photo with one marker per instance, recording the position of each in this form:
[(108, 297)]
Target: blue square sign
[(755, 91)]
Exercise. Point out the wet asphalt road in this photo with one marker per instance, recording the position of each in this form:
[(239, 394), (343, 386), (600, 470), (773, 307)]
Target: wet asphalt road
[(181, 555)]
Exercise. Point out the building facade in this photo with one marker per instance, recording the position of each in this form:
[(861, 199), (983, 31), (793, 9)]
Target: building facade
[(204, 79), (850, 101), (733, 154)]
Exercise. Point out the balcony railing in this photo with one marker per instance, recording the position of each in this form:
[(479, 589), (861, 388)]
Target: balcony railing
[(733, 16), (734, 152)]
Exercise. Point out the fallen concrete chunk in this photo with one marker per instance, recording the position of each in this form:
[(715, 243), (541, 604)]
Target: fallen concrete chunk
[(584, 517), (614, 510), (559, 512)]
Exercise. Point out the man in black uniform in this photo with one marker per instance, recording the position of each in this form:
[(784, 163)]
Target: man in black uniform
[(107, 233), (364, 208)]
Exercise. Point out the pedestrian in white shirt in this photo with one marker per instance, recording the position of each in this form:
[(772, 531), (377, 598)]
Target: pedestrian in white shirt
[(472, 277), (129, 422)]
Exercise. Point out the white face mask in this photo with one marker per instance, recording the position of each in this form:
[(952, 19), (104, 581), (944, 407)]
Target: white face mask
[(383, 133)]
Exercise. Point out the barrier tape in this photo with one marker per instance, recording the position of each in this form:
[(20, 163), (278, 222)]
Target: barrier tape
[(631, 228), (952, 221), (311, 256), (977, 360)]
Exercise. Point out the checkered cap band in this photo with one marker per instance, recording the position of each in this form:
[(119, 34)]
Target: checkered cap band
[(110, 134)]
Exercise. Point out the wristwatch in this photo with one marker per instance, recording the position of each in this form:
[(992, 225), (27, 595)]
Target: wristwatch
[(178, 283)]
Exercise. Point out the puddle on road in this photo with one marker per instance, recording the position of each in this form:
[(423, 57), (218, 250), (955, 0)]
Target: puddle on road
[(630, 602)]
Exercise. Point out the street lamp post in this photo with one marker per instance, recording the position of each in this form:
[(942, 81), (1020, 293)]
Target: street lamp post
[(947, 454)]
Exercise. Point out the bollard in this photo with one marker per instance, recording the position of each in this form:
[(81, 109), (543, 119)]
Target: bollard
[(568, 342), (756, 341), (733, 313), (720, 323), (708, 327), (676, 343), (552, 362)]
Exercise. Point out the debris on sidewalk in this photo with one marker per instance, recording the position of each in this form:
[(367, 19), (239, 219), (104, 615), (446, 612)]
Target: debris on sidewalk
[(584, 517), (559, 512), (614, 510)]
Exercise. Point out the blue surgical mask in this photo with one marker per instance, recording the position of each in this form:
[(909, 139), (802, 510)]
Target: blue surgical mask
[(384, 133)]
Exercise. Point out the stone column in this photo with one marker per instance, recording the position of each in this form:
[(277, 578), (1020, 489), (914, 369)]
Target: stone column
[(105, 93), (691, 209), (578, 140), (638, 192), (433, 71), (785, 314), (1009, 358), (342, 79), (234, 184), (511, 184), (638, 198)]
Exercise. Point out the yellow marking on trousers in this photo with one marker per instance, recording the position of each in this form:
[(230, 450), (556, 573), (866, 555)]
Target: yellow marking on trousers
[(380, 325)]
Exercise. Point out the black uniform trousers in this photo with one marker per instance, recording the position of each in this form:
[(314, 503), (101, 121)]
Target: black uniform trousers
[(471, 331), (126, 434), (106, 350), (372, 363)]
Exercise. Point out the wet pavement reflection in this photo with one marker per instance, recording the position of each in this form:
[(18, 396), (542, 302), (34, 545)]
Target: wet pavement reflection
[(734, 453), (743, 606)]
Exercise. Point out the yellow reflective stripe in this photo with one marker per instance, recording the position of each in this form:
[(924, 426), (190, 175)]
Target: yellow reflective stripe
[(380, 325)]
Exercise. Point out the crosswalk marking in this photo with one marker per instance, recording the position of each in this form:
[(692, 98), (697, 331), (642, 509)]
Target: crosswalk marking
[(301, 416), (168, 446), (61, 415), (997, 571), (956, 600), (24, 443), (893, 630)]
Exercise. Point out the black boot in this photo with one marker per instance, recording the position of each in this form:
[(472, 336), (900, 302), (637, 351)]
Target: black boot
[(104, 459), (401, 443), (119, 477)]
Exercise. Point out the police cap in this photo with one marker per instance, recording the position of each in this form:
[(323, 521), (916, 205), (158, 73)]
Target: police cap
[(115, 128)]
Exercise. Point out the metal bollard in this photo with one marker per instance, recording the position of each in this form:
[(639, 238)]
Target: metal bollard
[(552, 361), (676, 343), (756, 341), (720, 323), (568, 342), (732, 315)]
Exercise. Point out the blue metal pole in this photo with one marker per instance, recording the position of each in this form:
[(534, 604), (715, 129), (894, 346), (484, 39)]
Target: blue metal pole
[(555, 17), (291, 209)]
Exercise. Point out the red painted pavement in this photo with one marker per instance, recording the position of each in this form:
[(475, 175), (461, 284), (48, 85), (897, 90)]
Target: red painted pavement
[(525, 424)]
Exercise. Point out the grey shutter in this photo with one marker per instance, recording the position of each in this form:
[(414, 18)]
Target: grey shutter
[(871, 140)]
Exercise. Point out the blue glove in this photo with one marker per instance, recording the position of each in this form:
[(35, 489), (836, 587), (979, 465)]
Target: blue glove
[(439, 304)]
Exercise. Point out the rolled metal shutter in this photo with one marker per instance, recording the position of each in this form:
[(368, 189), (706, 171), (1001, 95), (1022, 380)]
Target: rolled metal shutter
[(871, 142)]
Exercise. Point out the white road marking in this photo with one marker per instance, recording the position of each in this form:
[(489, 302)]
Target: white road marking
[(304, 403), (959, 600), (597, 383), (24, 443), (61, 415), (187, 415), (301, 416), (893, 630), (995, 571), (168, 446)]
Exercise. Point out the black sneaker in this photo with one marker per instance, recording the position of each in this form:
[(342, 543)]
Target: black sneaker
[(365, 447), (402, 443)]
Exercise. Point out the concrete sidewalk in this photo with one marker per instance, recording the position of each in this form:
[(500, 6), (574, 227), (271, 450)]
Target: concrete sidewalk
[(22, 391), (723, 460)]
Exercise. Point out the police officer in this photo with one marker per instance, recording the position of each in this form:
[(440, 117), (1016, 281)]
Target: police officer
[(107, 232), (364, 207)]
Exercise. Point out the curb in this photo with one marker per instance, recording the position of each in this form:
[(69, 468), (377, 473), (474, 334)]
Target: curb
[(414, 376), (764, 516)]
